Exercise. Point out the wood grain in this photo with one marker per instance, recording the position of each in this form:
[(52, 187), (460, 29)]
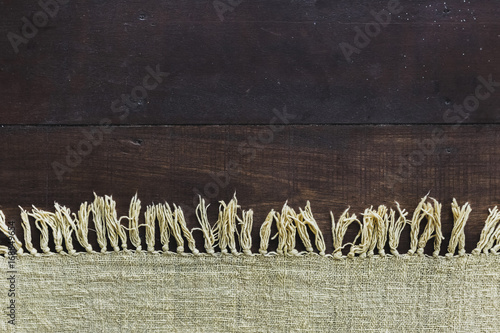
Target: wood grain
[(332, 166), (264, 53)]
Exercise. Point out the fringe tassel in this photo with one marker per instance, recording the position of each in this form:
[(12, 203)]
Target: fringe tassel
[(113, 224), (56, 226), (134, 213), (82, 226), (379, 228), (493, 239), (488, 233), (5, 230), (179, 218), (150, 218), (208, 233), (163, 222), (25, 223), (300, 225), (396, 228), (48, 220), (373, 216), (246, 232), (226, 225), (382, 224), (41, 224), (265, 232), (308, 220), (66, 224), (368, 241), (174, 228), (460, 217), (418, 216), (496, 237), (339, 230), (432, 228), (286, 230), (99, 213)]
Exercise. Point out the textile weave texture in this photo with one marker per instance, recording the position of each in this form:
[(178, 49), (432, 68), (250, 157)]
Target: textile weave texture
[(124, 284), (143, 292)]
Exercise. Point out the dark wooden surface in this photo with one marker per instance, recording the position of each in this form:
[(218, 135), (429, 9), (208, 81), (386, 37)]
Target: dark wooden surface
[(264, 53), (337, 150), (332, 166)]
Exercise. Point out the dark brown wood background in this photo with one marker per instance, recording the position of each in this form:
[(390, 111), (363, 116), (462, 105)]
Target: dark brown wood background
[(365, 132)]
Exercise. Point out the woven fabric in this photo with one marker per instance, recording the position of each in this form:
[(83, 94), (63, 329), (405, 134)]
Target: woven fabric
[(142, 292)]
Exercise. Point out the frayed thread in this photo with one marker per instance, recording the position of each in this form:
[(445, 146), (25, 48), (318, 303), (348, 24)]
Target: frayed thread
[(379, 229)]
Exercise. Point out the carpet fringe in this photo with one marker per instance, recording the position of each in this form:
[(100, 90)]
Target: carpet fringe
[(379, 230)]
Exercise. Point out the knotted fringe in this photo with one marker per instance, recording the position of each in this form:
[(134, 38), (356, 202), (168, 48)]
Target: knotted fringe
[(225, 226), (460, 217), (339, 230), (150, 218), (134, 213), (286, 230), (265, 231), (490, 234), (289, 224), (246, 232), (116, 232), (82, 226), (25, 223), (179, 217), (208, 233), (42, 221), (66, 226), (396, 228), (379, 229), (368, 238), (164, 223), (14, 241), (305, 219), (99, 213)]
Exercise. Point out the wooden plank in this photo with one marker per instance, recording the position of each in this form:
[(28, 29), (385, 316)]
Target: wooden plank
[(264, 53), (332, 166)]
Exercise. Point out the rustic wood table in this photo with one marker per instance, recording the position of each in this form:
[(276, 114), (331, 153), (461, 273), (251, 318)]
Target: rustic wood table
[(343, 103)]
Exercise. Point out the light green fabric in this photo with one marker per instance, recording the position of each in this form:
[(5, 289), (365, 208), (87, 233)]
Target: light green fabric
[(139, 292)]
